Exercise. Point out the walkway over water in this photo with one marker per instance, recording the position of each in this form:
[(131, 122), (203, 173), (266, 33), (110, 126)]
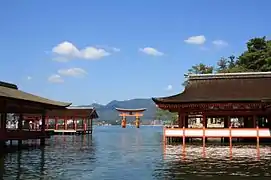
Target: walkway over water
[(116, 153)]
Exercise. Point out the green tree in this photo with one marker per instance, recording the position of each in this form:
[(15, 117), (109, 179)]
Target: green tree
[(198, 69), (222, 65), (166, 116), (159, 114), (257, 57), (231, 62), (201, 69), (174, 118)]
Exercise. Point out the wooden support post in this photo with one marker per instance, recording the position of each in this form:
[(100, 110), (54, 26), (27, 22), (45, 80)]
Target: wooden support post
[(230, 139), (204, 123), (65, 123), (3, 120), (180, 120), (203, 143), (74, 122), (47, 122), (137, 121), (20, 128), (254, 121), (123, 122), (56, 122), (85, 124), (42, 140), (183, 149), (203, 137), (164, 134), (183, 137), (258, 137)]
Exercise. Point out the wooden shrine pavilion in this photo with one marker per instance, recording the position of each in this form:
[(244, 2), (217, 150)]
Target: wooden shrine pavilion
[(242, 101), (17, 102), (71, 120)]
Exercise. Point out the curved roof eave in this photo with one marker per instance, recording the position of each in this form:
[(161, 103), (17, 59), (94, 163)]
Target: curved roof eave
[(131, 110)]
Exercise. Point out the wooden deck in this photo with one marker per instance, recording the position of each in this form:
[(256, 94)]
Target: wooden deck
[(68, 131)]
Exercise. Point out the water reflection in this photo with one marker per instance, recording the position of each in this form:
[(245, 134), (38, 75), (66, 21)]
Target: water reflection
[(215, 161), (60, 160), (116, 153)]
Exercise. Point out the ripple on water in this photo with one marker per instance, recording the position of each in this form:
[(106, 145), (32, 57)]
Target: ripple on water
[(115, 153), (216, 160)]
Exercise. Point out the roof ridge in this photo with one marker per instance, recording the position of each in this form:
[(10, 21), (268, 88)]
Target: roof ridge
[(80, 107), (230, 75), (8, 85)]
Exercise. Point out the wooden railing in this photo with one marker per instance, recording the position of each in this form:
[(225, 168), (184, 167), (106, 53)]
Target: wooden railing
[(218, 132), (68, 127)]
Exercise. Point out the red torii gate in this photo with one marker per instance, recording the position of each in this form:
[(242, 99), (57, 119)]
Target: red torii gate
[(130, 112)]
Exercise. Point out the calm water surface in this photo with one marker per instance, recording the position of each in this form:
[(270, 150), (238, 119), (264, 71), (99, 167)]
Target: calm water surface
[(132, 154)]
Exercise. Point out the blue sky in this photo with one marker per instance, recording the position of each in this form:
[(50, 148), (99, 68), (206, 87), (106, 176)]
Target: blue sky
[(87, 51)]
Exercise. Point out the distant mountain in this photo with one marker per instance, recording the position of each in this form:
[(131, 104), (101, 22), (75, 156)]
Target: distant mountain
[(109, 113)]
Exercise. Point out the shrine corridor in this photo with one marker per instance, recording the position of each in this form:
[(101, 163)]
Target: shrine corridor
[(116, 153)]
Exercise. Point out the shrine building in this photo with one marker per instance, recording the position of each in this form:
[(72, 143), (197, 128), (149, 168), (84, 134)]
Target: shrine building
[(240, 101)]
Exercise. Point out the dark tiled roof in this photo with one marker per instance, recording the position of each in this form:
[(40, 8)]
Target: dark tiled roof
[(74, 111), (231, 87), (11, 91)]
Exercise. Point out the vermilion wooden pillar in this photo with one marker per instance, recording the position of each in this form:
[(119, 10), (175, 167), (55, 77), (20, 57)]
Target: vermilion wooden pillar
[(56, 123), (65, 123), (42, 140), (20, 128), (227, 124), (254, 121), (123, 121), (74, 122), (137, 121), (85, 124), (204, 121), (269, 121), (180, 120), (185, 116), (3, 120), (47, 122)]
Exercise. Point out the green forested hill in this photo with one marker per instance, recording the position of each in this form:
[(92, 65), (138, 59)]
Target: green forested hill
[(108, 112)]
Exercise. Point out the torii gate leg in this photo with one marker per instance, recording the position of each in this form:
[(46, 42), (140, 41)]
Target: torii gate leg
[(123, 122), (137, 122)]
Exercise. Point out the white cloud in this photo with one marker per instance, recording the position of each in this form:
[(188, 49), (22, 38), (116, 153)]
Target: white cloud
[(220, 43), (69, 51), (198, 40), (169, 87), (29, 78), (55, 78), (151, 51), (108, 48), (74, 72)]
